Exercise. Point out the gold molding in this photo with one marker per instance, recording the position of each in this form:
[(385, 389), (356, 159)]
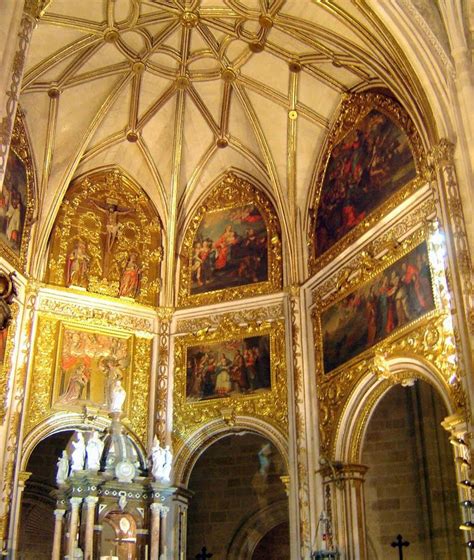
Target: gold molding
[(270, 405), (354, 108), (232, 191)]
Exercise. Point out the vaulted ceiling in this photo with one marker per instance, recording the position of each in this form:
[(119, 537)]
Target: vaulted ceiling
[(177, 91)]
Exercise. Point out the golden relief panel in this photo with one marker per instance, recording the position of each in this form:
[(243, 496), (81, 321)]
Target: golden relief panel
[(75, 367), (16, 199), (227, 371), (372, 162), (418, 315), (232, 248), (107, 240)]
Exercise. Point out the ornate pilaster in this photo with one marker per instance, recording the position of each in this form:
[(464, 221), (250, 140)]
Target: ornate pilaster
[(179, 508), (73, 525), (23, 476), (89, 506), (161, 391), (58, 528)]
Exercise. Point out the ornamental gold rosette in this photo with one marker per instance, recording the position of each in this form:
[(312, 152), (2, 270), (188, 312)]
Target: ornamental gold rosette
[(232, 247), (373, 161)]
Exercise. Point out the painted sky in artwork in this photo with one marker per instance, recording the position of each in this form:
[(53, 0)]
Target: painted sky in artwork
[(397, 296), (369, 165)]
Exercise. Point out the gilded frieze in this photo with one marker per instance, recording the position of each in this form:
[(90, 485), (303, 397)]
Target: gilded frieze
[(232, 247), (75, 365), (16, 199), (391, 165), (107, 240), (232, 370)]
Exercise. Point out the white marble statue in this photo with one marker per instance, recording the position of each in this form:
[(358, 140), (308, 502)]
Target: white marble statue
[(63, 469), (78, 454), (94, 449), (161, 461), (117, 396)]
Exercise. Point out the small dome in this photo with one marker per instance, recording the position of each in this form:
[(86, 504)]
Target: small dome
[(119, 447)]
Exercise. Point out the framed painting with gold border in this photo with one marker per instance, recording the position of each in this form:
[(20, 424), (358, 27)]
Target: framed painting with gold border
[(241, 369), (16, 198), (373, 161), (232, 247)]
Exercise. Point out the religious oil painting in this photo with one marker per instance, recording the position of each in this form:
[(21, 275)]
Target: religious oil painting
[(229, 250), (393, 299), (13, 203), (364, 169), (231, 367), (88, 364)]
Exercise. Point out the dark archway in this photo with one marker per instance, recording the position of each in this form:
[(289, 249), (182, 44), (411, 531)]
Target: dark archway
[(410, 487), (233, 481), (35, 540)]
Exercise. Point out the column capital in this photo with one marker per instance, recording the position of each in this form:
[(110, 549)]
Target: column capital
[(75, 502), (91, 501), (23, 476), (159, 509), (59, 513)]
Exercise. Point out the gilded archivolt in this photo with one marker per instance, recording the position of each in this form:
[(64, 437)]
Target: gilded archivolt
[(270, 405), (232, 191), (43, 371), (84, 220), (354, 108)]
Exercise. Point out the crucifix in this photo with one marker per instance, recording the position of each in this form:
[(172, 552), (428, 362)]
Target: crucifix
[(203, 554), (399, 543)]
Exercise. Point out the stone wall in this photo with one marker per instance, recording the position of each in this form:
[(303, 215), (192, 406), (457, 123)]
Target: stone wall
[(410, 486)]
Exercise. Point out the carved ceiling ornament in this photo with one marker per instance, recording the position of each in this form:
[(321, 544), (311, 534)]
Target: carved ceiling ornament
[(107, 239), (17, 198), (355, 160), (232, 247)]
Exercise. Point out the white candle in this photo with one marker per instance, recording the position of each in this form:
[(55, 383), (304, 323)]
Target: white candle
[(146, 552)]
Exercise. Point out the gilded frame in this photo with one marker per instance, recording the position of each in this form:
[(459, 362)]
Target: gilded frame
[(354, 108), (20, 146), (44, 375), (232, 192), (270, 405), (428, 338)]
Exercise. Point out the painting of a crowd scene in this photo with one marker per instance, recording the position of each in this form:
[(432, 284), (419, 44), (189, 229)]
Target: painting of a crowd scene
[(229, 250), (364, 170), (88, 365), (13, 199), (399, 295), (233, 367)]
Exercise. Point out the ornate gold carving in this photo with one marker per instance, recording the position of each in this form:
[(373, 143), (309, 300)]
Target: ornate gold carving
[(161, 391), (354, 108), (232, 191), (443, 153), (43, 371), (106, 248), (212, 321), (6, 365), (270, 405), (19, 145), (95, 315)]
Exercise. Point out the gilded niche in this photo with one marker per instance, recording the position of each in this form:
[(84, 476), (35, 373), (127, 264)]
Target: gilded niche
[(232, 248), (16, 198), (373, 160), (107, 240)]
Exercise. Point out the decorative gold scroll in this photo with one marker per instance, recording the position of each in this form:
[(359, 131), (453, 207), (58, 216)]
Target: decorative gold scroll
[(232, 192), (429, 339), (269, 405), (130, 359), (354, 109), (20, 153), (131, 267)]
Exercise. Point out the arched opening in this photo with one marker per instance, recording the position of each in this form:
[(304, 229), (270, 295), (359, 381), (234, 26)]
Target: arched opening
[(238, 498), (410, 486), (37, 503), (119, 535)]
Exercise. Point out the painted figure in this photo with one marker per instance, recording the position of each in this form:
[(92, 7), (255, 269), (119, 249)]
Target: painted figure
[(78, 266), (223, 246), (130, 280), (78, 380)]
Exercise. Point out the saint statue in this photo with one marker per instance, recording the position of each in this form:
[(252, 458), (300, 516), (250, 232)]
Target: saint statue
[(117, 396), (63, 469), (78, 454), (167, 464), (161, 461), (130, 279), (77, 266), (94, 449)]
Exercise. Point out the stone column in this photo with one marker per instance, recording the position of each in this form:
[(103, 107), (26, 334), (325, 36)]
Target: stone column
[(344, 494), (157, 511), (73, 524), (177, 535), (23, 476), (90, 503), (58, 529)]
